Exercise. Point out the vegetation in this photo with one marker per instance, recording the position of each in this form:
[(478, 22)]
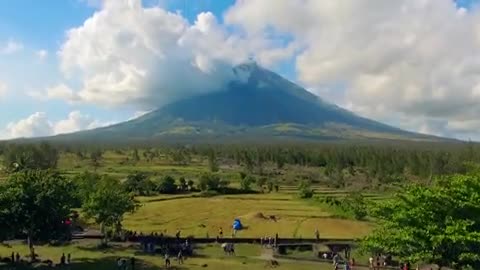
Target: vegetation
[(139, 184), (167, 185), (18, 157), (107, 205), (287, 189), (438, 224), (36, 204)]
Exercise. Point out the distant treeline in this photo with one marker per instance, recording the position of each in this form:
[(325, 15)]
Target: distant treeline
[(377, 160)]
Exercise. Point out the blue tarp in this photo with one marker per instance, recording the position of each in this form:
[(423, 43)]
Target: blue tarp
[(237, 225)]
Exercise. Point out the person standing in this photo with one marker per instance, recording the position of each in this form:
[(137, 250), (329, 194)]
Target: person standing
[(69, 258), (180, 257), (317, 235), (178, 235), (13, 257), (62, 259), (220, 233), (167, 260), (336, 260), (132, 263)]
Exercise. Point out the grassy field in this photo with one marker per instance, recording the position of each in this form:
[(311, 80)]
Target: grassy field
[(86, 257), (201, 216)]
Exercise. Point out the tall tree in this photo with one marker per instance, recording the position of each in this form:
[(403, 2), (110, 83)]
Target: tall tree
[(135, 155), (107, 205), (139, 184), (38, 202), (85, 183), (167, 185), (212, 161), (96, 157), (437, 224), (246, 182)]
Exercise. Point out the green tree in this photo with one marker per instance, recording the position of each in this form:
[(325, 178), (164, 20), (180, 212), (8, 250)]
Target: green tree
[(356, 205), (437, 224), (270, 186), (96, 157), (19, 157), (135, 155), (7, 220), (212, 182), (167, 185), (305, 190), (182, 184), (38, 203), (246, 182), (139, 184), (107, 205), (190, 184), (85, 183), (212, 161), (261, 181)]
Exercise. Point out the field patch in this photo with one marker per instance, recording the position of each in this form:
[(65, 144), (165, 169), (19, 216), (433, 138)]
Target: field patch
[(262, 215)]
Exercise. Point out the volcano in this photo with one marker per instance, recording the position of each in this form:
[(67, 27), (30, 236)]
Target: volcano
[(261, 106)]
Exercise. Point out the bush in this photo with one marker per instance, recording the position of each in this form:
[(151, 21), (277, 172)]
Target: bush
[(182, 184), (246, 182), (356, 205), (270, 186), (305, 191), (210, 182), (167, 185), (139, 183), (261, 181)]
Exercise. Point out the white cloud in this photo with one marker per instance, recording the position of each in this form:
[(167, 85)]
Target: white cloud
[(41, 54), (76, 121), (400, 59), (10, 47), (38, 125), (137, 114), (127, 54), (60, 91)]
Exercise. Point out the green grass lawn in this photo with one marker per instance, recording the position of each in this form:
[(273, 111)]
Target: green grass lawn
[(86, 257)]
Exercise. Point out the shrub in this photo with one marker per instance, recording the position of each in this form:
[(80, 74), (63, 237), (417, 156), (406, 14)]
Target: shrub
[(167, 185), (211, 181), (246, 182), (305, 191)]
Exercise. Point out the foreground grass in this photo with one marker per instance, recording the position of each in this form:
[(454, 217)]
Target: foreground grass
[(86, 257), (204, 216)]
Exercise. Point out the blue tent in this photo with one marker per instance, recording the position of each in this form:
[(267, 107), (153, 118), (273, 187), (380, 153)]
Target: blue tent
[(237, 225)]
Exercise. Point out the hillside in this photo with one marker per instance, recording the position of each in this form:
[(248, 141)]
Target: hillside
[(261, 106)]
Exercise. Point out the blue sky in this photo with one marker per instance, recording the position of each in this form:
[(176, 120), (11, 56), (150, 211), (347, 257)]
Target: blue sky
[(37, 30), (42, 25)]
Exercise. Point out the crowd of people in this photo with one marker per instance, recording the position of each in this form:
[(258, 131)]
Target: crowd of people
[(15, 259)]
